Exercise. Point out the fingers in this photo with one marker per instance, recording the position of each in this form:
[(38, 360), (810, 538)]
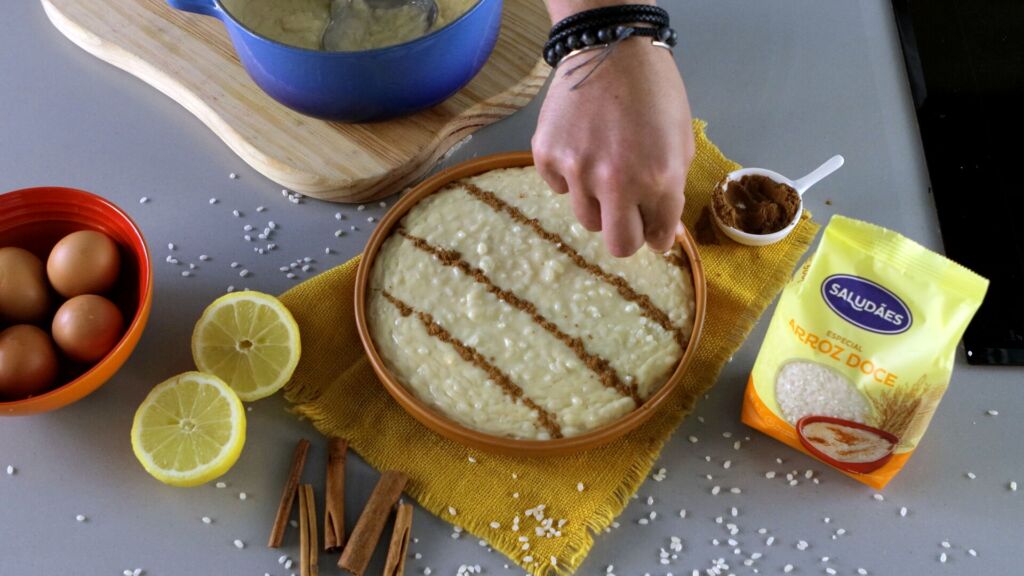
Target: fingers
[(661, 219), (564, 177), (586, 208), (549, 171), (622, 227)]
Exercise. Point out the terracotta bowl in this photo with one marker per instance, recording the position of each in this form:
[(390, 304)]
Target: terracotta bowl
[(438, 422), (35, 219)]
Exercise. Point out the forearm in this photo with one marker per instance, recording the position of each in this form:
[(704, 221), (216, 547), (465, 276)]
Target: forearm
[(559, 9)]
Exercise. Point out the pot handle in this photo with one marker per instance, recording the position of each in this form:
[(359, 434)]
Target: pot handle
[(205, 7)]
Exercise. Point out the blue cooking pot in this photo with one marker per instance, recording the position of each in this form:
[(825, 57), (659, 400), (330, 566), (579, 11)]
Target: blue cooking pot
[(368, 85)]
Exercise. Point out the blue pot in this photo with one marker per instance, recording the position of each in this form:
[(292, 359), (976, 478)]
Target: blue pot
[(369, 85)]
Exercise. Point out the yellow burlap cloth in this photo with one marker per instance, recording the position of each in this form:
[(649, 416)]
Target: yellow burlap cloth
[(336, 389)]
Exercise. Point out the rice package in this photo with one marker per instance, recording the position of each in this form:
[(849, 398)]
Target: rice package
[(860, 350)]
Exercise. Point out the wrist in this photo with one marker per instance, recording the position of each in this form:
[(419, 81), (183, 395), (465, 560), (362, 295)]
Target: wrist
[(561, 9)]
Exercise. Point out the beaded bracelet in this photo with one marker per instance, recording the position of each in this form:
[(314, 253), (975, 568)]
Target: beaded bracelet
[(636, 10), (606, 26), (599, 22), (598, 30), (652, 33), (659, 38)]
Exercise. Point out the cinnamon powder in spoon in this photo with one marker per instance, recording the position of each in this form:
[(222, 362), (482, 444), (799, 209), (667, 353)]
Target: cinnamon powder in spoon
[(756, 204)]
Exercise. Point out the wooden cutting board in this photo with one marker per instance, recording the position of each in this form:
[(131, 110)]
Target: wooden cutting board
[(190, 58)]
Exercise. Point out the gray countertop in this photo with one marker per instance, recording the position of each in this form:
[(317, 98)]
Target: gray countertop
[(783, 84)]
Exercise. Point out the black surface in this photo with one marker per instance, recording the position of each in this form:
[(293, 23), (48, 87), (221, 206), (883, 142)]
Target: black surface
[(965, 61)]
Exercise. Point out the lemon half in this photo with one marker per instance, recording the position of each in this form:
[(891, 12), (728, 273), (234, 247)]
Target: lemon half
[(249, 340), (189, 430)]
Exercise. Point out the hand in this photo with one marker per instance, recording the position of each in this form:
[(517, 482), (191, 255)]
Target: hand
[(620, 145)]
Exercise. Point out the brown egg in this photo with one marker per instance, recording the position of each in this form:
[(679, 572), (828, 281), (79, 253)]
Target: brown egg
[(83, 262), (86, 327), (24, 296), (28, 362)]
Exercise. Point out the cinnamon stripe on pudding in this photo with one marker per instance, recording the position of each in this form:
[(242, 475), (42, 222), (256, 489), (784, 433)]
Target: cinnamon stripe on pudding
[(648, 272), (595, 363), (471, 355), (647, 307), (677, 260)]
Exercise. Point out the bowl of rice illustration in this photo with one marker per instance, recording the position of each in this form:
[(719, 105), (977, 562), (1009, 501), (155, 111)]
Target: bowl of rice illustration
[(847, 445)]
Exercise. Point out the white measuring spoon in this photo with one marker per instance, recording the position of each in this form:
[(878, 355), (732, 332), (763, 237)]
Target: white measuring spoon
[(800, 185)]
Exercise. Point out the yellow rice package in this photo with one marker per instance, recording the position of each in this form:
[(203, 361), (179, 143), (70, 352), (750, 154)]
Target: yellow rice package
[(860, 350)]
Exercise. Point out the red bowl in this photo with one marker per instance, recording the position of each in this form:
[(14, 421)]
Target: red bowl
[(35, 219), (856, 467)]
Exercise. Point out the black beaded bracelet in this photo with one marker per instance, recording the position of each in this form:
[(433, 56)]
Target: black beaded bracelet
[(659, 37), (604, 26), (553, 53), (636, 10), (594, 27)]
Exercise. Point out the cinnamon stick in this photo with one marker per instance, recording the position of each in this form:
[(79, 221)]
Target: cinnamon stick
[(334, 494), (366, 534), (314, 540), (303, 533), (284, 509), (397, 551)]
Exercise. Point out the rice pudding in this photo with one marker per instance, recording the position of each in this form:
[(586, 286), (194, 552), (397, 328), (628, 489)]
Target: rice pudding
[(301, 23), (491, 304)]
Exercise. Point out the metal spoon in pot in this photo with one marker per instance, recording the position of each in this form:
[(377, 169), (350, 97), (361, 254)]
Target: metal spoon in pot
[(346, 20)]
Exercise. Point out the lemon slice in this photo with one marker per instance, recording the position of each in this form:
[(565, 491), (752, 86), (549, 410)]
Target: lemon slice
[(249, 340), (189, 430)]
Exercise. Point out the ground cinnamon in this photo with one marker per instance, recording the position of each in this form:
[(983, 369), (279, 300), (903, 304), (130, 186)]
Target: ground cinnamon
[(756, 204), (600, 366), (284, 508), (334, 495), (397, 550), (471, 355), (704, 231), (363, 540)]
